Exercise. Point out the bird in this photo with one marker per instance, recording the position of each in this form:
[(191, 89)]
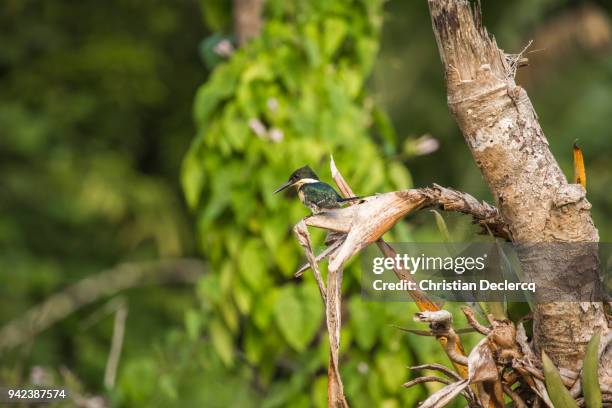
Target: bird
[(315, 194)]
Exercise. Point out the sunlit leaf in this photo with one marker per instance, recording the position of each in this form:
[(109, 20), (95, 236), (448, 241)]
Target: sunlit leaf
[(334, 31), (590, 378), (253, 264), (289, 316), (442, 227), (192, 179), (392, 368), (365, 324), (559, 395), (400, 176), (222, 342), (193, 324)]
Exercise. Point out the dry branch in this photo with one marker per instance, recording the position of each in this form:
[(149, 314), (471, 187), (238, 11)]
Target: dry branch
[(361, 224), (301, 232), (367, 221), (428, 378), (498, 361), (469, 315), (421, 300), (437, 367), (333, 313), (247, 19), (535, 200), (331, 296), (375, 215), (112, 363), (94, 288)]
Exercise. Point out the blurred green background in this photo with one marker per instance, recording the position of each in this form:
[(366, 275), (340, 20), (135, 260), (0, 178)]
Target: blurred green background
[(134, 149)]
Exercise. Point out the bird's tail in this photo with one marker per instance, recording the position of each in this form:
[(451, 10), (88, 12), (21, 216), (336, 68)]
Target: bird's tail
[(349, 199)]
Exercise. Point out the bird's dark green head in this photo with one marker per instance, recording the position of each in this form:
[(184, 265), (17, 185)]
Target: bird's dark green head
[(299, 174), (303, 173)]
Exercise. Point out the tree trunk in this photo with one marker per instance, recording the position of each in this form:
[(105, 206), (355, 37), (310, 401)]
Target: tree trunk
[(247, 19), (502, 131)]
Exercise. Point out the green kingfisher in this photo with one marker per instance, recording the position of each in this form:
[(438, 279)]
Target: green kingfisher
[(314, 193)]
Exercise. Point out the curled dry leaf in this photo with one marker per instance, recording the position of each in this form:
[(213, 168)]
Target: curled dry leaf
[(481, 369)]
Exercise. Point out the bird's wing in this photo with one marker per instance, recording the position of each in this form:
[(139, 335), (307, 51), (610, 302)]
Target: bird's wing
[(321, 194), (332, 192)]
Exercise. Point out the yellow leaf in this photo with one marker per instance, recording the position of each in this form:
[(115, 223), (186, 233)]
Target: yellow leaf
[(579, 172)]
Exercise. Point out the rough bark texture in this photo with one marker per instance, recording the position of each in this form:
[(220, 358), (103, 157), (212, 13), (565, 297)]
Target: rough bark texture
[(502, 131), (247, 19)]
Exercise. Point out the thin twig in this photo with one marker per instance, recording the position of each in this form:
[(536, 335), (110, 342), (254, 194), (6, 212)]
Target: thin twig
[(469, 314), (322, 256), (518, 401), (110, 373), (331, 296), (93, 288), (467, 393), (452, 349), (430, 378), (303, 236), (438, 367)]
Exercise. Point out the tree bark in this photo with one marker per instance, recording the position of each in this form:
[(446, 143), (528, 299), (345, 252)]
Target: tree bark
[(247, 19), (502, 131)]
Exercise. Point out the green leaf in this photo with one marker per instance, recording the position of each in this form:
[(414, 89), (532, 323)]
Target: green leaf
[(441, 224), (334, 33), (230, 316), (385, 128), (243, 296), (252, 264), (288, 315), (559, 395), (312, 308), (217, 14), (364, 323), (220, 86), (298, 313), (167, 385), (311, 44), (590, 378), (263, 310), (286, 258), (192, 178), (254, 343), (222, 342), (193, 324), (399, 175), (207, 289), (319, 392), (392, 369)]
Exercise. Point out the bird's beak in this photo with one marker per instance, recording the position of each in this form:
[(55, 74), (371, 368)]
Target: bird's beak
[(284, 186)]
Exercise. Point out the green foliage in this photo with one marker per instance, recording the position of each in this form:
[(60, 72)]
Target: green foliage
[(298, 314), (294, 96), (88, 170), (95, 119), (590, 374), (559, 395)]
